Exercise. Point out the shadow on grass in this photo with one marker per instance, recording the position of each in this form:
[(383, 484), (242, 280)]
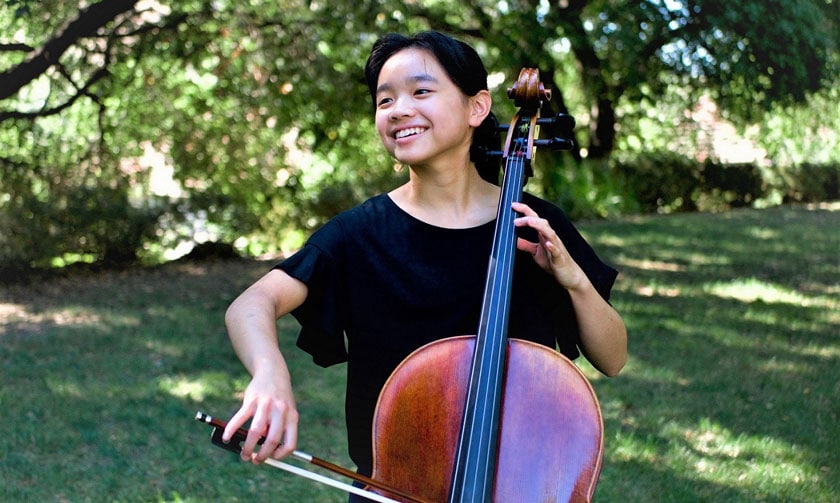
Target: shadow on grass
[(102, 377), (733, 325)]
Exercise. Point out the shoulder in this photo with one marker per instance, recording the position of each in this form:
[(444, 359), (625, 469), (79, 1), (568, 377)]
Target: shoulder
[(377, 204), (538, 202), (547, 210), (368, 216), (371, 209)]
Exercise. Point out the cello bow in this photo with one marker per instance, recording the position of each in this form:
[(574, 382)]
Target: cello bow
[(235, 446)]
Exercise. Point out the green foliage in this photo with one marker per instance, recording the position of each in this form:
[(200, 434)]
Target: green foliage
[(810, 182), (67, 203), (259, 110), (794, 135), (758, 64), (660, 182), (77, 223), (584, 189), (666, 182)]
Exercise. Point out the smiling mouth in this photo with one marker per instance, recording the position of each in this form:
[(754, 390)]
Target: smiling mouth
[(408, 132)]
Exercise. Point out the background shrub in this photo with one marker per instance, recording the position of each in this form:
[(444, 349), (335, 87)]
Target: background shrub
[(666, 182)]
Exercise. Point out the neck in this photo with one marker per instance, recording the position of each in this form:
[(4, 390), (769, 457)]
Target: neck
[(456, 198)]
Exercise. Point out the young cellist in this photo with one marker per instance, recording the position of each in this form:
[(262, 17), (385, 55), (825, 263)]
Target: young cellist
[(408, 267)]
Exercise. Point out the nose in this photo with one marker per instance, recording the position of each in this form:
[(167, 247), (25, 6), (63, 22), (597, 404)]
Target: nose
[(401, 108)]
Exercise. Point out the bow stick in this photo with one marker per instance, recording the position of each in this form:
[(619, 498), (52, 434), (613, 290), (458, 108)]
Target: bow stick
[(235, 445)]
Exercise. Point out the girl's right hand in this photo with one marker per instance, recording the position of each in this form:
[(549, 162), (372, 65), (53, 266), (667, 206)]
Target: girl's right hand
[(270, 404)]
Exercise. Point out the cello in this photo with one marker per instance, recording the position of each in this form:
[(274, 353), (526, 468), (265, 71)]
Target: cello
[(486, 418)]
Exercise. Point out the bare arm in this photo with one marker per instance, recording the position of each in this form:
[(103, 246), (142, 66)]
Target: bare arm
[(269, 402), (603, 336)]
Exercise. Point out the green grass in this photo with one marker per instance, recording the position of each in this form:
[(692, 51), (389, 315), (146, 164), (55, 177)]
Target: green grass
[(730, 393)]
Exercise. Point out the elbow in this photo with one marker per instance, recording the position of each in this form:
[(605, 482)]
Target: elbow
[(614, 368), (229, 316), (610, 364), (234, 313)]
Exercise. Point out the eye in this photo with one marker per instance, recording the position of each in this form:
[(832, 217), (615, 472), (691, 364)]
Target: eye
[(381, 102), (422, 91)]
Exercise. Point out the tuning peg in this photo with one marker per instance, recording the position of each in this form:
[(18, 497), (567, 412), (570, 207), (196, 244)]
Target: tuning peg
[(485, 153), (565, 122), (555, 143)]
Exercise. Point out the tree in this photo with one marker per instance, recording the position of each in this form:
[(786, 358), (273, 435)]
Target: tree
[(259, 108), (230, 93), (747, 55)]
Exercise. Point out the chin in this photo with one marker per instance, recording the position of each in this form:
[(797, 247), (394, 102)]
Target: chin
[(408, 160)]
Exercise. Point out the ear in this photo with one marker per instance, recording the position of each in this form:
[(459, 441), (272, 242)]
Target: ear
[(480, 105)]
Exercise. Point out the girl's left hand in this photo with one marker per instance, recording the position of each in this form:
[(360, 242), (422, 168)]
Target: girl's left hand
[(549, 253)]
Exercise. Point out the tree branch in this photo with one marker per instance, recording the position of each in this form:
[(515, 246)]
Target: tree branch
[(86, 24), (16, 48), (83, 91)]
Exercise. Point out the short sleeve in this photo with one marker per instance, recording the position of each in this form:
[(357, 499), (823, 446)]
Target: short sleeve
[(320, 316)]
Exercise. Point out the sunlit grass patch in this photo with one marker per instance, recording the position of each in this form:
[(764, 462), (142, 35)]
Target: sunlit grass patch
[(23, 320), (719, 461), (720, 399), (64, 388), (752, 289), (197, 388), (718, 454)]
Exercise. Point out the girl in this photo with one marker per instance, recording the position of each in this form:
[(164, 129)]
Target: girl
[(408, 267)]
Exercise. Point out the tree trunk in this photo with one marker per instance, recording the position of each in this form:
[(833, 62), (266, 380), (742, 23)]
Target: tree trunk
[(602, 113), (602, 129)]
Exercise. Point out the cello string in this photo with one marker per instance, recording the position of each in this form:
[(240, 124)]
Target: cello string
[(497, 323)]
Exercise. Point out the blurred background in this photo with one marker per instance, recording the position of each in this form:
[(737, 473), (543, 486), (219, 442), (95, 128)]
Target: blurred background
[(133, 131), (141, 142)]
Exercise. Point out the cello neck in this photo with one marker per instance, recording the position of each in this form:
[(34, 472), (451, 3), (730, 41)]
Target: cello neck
[(474, 470)]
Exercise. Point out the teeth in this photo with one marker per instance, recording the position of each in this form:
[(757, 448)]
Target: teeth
[(408, 132)]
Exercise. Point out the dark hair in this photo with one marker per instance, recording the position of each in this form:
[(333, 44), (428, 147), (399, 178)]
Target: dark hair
[(463, 66)]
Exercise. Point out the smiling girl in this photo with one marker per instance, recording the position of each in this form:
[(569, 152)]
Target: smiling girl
[(408, 267)]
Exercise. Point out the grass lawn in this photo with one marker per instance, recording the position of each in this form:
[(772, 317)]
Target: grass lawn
[(731, 391)]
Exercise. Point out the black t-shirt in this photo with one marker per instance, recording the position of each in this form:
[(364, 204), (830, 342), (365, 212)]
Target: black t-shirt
[(391, 283)]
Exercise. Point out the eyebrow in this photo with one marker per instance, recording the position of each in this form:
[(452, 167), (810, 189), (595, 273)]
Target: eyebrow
[(422, 77)]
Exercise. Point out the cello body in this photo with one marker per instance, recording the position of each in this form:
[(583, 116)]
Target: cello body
[(550, 435)]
